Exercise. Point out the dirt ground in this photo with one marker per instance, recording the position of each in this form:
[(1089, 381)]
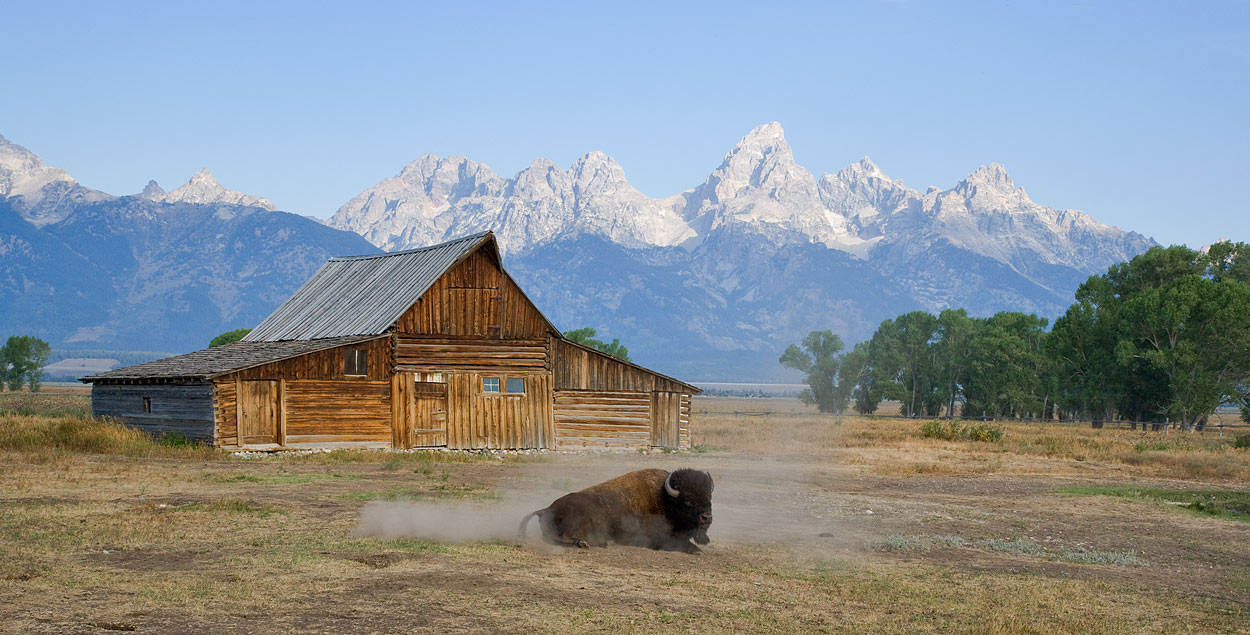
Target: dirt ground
[(807, 538)]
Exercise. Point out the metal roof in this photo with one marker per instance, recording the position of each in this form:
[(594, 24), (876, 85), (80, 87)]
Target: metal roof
[(227, 358), (363, 295)]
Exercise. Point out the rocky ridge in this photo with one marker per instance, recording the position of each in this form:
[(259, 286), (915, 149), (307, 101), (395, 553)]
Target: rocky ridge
[(758, 189)]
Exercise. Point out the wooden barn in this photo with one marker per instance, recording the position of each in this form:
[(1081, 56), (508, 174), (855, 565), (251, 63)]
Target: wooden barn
[(431, 347)]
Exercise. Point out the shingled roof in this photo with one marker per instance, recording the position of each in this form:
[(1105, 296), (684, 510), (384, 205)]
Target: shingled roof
[(227, 358), (363, 295)]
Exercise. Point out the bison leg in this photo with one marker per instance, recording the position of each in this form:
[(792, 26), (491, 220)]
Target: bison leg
[(572, 527)]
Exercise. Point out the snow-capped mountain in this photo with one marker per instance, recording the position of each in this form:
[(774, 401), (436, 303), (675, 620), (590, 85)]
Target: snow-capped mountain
[(434, 198), (203, 189), (758, 190), (41, 194)]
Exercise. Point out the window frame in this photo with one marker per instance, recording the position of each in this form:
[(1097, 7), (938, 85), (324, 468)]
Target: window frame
[(501, 385), (498, 386), (359, 362)]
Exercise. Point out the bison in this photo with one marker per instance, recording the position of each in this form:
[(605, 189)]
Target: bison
[(645, 508)]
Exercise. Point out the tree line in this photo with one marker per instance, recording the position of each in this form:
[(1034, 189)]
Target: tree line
[(1165, 336)]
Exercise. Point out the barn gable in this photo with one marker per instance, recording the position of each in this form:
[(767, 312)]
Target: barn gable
[(368, 295)]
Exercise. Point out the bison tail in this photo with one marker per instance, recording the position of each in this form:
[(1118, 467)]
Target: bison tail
[(520, 534)]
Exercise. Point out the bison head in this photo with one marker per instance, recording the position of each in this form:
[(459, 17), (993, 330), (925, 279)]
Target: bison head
[(688, 503)]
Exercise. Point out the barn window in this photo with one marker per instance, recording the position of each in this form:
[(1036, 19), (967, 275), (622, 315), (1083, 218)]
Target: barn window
[(515, 386), (490, 384), (355, 362), (147, 404)]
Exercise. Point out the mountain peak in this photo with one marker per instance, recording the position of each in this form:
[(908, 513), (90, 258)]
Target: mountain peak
[(760, 159), (204, 175), (203, 189), (153, 191), (771, 131), (862, 169), (597, 165), (23, 173), (993, 174)]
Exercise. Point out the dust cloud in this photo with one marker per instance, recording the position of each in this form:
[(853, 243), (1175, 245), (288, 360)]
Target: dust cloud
[(757, 501), (443, 522)]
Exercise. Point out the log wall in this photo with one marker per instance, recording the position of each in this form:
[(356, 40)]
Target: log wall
[(683, 430), (441, 354), (589, 419), (337, 413), (225, 413), (186, 409)]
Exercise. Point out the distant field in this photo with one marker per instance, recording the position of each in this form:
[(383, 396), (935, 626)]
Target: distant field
[(822, 524), (768, 389)]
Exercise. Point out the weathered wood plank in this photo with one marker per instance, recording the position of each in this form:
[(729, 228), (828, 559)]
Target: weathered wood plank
[(183, 408)]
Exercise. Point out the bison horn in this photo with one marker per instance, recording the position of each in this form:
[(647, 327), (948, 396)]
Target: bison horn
[(672, 491)]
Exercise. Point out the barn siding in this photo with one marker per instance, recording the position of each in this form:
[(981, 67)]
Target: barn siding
[(183, 408), (425, 354), (588, 419), (326, 364), (337, 413), (579, 368), (479, 420), (474, 299)]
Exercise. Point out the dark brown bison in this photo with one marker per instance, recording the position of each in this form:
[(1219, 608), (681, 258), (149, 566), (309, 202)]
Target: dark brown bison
[(646, 508)]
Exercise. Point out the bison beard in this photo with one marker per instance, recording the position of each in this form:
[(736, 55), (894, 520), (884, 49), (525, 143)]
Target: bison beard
[(646, 508)]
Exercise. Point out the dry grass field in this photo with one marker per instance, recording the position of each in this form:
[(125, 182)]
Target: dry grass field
[(822, 524)]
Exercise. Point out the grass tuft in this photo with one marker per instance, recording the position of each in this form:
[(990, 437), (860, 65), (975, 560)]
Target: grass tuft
[(1019, 546), (1082, 555), (956, 430)]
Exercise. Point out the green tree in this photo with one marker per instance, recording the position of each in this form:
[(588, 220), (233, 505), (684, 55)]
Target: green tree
[(586, 337), (1081, 346), (1153, 336), (818, 360), (1195, 331), (953, 354), (228, 337), (857, 380), (903, 357), (22, 360), (1006, 367)]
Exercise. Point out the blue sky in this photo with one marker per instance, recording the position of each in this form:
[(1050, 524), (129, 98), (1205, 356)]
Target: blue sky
[(1137, 113)]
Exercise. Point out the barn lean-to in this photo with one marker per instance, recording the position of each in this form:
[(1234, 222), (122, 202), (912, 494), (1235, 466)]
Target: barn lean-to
[(431, 347)]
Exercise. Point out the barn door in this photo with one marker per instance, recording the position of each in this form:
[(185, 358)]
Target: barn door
[(665, 417), (429, 414), (259, 413)]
